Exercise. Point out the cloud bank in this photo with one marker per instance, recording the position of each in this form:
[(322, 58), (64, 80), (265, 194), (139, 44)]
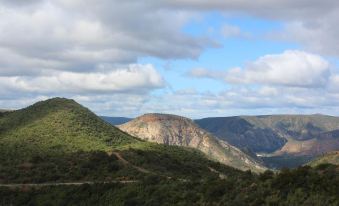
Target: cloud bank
[(89, 50)]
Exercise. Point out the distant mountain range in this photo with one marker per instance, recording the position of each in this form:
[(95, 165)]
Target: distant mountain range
[(116, 120), (280, 140), (176, 130), (277, 133)]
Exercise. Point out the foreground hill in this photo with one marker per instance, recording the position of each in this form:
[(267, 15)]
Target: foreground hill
[(288, 134), (56, 126), (303, 186), (181, 131)]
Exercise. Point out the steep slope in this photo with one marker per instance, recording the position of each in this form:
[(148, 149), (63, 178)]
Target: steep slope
[(292, 134), (329, 158), (116, 120), (176, 130), (298, 127), (242, 134)]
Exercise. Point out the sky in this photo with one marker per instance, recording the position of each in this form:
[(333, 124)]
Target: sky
[(193, 58)]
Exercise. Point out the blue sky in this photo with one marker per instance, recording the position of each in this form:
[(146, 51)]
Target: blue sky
[(231, 52), (192, 58)]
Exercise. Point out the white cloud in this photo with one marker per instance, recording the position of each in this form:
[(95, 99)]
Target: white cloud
[(290, 68), (245, 100), (77, 35), (80, 49), (318, 35), (135, 78), (311, 23)]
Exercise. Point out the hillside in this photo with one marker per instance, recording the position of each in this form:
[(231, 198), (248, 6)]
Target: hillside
[(304, 186), (243, 134), (54, 126), (60, 140), (57, 152), (181, 131), (116, 120), (292, 134), (329, 158)]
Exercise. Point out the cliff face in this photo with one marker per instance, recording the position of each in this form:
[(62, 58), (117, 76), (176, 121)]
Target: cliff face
[(181, 131)]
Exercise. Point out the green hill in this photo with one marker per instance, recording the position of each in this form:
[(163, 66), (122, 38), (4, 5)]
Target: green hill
[(56, 126)]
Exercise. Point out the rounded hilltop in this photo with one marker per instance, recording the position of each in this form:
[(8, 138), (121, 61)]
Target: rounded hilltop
[(155, 117)]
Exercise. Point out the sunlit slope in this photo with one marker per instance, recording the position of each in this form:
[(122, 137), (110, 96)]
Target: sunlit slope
[(175, 130)]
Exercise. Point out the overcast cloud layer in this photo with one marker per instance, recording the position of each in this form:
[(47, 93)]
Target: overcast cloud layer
[(89, 50)]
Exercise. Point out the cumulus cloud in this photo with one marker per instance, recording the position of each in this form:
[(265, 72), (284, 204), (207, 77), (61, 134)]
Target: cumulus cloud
[(311, 23), (86, 50), (135, 78), (319, 35), (243, 100), (291, 68), (76, 35)]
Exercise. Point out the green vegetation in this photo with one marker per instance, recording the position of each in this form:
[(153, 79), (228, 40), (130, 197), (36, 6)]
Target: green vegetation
[(60, 141), (303, 186), (55, 127)]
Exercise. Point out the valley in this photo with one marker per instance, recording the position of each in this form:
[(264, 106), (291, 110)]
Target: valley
[(279, 138)]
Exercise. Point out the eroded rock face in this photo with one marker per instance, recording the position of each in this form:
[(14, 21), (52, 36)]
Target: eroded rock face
[(181, 131)]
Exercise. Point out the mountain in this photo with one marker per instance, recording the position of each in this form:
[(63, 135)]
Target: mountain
[(321, 143), (60, 140), (328, 158), (291, 134), (56, 152), (241, 133), (176, 130), (116, 120)]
